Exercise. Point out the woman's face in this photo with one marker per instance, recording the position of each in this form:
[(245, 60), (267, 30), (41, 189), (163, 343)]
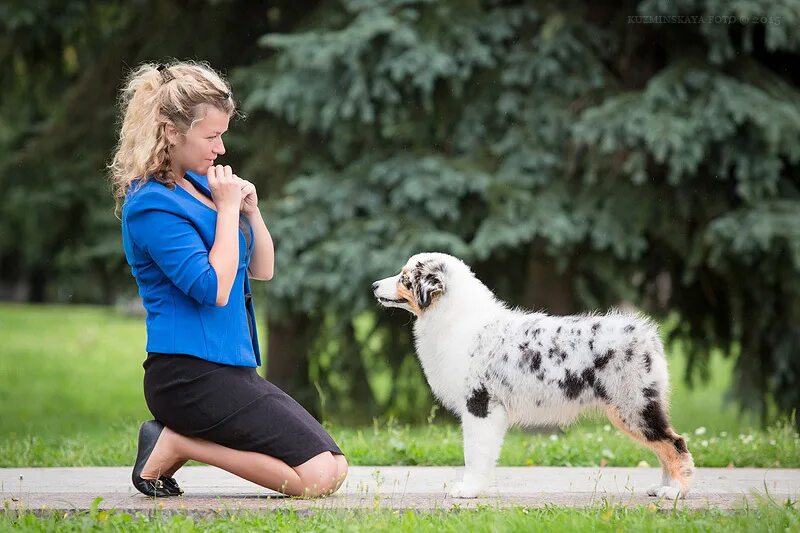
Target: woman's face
[(199, 147)]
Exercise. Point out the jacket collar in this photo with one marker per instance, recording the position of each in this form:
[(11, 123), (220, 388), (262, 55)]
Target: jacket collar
[(199, 181)]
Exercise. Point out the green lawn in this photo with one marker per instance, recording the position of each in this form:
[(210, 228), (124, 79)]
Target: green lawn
[(71, 394), (766, 517)]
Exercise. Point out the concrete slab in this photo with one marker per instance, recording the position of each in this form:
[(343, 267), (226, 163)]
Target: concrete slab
[(211, 491)]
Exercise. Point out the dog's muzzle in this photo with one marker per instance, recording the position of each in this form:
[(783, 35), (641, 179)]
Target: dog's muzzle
[(384, 299)]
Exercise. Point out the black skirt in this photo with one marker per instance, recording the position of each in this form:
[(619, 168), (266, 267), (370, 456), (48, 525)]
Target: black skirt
[(232, 406)]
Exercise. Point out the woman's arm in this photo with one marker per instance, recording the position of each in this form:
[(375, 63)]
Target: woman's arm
[(262, 263), (224, 254)]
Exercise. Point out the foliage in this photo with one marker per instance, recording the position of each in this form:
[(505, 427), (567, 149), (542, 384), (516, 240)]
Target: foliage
[(85, 404), (555, 136), (575, 157), (63, 63), (603, 516)]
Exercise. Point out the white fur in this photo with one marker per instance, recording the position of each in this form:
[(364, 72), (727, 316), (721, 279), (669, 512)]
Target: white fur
[(469, 343)]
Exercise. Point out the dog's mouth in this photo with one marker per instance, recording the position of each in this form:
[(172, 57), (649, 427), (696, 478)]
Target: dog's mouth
[(400, 301)]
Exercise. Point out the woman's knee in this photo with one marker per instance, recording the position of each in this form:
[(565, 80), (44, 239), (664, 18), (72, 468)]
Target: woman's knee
[(319, 475), (341, 468)]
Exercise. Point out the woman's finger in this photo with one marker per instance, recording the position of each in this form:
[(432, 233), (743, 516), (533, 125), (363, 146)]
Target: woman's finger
[(228, 172)]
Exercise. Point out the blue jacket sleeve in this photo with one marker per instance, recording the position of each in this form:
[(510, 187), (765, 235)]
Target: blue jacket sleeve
[(175, 246)]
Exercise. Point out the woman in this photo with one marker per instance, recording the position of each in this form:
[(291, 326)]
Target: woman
[(193, 235)]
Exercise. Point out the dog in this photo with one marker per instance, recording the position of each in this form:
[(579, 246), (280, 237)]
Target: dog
[(495, 367)]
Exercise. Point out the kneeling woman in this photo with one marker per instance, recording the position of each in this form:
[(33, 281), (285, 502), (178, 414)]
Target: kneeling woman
[(193, 236)]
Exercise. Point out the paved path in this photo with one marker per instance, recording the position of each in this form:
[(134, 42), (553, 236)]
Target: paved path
[(209, 490)]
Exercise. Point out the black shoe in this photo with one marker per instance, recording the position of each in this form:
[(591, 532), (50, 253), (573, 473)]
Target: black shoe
[(148, 436), (171, 485)]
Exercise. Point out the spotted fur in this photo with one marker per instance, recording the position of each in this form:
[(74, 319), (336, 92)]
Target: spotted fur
[(495, 367)]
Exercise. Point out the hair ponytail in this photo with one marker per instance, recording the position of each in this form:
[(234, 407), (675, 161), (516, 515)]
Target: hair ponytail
[(154, 97)]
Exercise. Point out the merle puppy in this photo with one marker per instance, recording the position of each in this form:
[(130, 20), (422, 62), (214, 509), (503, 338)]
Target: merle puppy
[(494, 367)]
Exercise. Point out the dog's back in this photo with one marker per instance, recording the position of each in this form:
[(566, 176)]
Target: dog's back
[(548, 369)]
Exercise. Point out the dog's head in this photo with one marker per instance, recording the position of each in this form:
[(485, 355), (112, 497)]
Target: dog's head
[(418, 285)]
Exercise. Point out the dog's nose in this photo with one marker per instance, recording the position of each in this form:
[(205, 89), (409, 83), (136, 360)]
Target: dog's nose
[(375, 286)]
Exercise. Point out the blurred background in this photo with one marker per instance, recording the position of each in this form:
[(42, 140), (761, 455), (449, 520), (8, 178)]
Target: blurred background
[(578, 155)]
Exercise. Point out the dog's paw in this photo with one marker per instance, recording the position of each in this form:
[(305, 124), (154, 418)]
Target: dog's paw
[(465, 490), (662, 491)]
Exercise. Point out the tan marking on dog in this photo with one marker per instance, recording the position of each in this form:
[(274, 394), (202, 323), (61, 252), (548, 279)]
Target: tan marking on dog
[(679, 466), (402, 292)]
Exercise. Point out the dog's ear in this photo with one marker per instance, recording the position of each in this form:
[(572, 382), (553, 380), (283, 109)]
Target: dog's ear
[(428, 280)]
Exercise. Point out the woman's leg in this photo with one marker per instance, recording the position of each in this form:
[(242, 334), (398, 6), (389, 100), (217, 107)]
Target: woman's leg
[(171, 471), (318, 476), (341, 470)]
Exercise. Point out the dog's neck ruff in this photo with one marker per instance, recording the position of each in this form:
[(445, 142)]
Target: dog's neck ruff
[(442, 331), (465, 299)]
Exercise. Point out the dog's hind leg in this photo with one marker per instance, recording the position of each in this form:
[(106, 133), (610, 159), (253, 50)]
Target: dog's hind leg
[(483, 440), (653, 430)]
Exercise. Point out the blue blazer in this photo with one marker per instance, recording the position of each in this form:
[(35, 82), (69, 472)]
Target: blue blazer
[(167, 235)]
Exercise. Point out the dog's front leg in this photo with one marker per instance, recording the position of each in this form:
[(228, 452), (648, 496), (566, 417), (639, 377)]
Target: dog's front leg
[(483, 439)]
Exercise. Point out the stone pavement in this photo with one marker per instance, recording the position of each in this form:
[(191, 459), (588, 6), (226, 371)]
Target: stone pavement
[(210, 490)]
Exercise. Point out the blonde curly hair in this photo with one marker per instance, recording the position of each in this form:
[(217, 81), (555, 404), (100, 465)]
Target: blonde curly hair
[(153, 97)]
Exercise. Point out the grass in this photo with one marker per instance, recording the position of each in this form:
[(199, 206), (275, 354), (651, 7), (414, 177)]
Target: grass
[(765, 517), (585, 445), (71, 395), (393, 444)]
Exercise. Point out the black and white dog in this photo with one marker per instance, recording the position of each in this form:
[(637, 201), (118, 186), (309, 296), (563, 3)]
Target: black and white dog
[(494, 367)]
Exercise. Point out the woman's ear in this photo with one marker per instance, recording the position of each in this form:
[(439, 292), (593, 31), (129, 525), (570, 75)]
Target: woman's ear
[(172, 133)]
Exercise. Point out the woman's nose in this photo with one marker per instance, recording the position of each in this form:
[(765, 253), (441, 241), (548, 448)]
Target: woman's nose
[(219, 149)]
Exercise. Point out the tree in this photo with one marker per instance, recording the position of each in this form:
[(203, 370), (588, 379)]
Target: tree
[(575, 155), (648, 162), (63, 64)]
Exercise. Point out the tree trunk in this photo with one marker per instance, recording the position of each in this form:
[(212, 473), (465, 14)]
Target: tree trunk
[(287, 359), (37, 285), (546, 289)]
